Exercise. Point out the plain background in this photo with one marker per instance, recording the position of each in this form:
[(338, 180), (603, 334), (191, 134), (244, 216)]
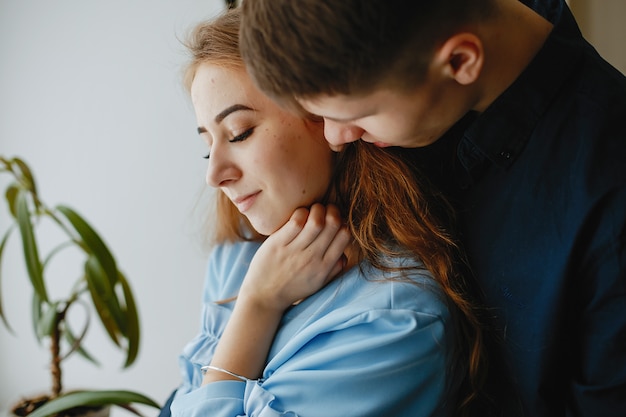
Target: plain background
[(91, 97)]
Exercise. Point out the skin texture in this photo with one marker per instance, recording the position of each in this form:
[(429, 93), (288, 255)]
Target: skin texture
[(384, 117), (271, 165), (266, 160)]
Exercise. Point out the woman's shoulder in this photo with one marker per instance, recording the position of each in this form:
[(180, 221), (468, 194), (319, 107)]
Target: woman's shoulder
[(226, 268), (234, 252), (366, 302), (367, 288)]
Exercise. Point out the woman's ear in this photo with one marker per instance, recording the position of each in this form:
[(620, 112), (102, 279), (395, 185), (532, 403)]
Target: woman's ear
[(461, 57)]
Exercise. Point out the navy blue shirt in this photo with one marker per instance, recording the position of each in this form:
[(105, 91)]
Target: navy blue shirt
[(539, 180)]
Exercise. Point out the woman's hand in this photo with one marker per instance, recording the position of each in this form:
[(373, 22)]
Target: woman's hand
[(297, 260), (293, 263)]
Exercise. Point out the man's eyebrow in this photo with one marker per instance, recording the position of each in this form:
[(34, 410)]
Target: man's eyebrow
[(229, 110)]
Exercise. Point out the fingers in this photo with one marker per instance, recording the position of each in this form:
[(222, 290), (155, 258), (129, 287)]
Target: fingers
[(298, 259), (318, 234), (320, 228), (337, 268), (336, 248), (317, 226), (333, 238), (325, 238), (287, 233)]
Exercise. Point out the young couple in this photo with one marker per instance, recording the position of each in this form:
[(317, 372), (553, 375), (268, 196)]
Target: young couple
[(514, 117)]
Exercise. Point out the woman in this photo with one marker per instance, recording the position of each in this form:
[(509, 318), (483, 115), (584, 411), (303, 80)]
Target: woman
[(302, 317)]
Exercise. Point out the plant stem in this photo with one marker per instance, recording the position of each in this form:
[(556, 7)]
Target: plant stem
[(55, 350)]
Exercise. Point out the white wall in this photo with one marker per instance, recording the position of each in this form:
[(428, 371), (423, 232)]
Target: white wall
[(90, 96)]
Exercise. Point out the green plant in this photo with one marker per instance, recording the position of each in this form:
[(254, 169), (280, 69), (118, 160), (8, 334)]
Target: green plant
[(100, 282)]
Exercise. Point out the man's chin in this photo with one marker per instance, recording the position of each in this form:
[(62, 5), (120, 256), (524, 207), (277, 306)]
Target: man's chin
[(381, 144)]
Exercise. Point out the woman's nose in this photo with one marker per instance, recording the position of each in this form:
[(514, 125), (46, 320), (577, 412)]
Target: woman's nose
[(221, 168)]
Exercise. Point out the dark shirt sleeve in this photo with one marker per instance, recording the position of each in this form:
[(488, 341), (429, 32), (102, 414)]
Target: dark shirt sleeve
[(599, 385), (165, 411)]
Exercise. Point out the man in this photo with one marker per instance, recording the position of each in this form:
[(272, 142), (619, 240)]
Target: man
[(520, 122)]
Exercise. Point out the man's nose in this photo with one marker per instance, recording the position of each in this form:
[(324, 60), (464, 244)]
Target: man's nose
[(338, 133)]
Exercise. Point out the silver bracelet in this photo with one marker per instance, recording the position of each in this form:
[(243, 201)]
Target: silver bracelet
[(215, 368)]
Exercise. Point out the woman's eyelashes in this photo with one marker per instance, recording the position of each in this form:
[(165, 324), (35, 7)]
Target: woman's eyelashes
[(239, 138), (242, 137)]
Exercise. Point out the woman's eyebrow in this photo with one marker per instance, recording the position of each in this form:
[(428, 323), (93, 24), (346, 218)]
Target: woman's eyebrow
[(235, 107)]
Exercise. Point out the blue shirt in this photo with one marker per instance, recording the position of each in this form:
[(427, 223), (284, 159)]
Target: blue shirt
[(358, 347), (539, 180)]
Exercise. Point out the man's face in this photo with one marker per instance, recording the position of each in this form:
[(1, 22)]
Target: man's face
[(387, 117)]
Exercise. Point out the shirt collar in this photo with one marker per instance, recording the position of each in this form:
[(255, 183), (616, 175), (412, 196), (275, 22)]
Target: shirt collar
[(502, 131)]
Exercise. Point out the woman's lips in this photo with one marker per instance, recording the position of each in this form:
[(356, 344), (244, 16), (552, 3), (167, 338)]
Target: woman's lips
[(245, 202)]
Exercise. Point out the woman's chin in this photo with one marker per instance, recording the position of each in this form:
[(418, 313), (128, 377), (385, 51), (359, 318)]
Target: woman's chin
[(263, 227)]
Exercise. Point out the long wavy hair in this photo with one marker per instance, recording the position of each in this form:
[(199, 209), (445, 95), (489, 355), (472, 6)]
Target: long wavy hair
[(388, 209)]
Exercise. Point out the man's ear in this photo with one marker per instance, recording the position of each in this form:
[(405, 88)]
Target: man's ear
[(462, 57)]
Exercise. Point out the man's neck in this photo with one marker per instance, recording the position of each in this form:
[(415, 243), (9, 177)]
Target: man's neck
[(510, 43)]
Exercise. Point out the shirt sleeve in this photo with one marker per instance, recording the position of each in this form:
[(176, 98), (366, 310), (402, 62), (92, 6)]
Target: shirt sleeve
[(226, 267), (380, 362), (599, 382)]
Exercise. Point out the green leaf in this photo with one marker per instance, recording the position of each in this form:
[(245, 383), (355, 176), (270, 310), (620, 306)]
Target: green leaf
[(102, 294), (48, 322), (75, 346), (91, 398), (31, 254), (2, 246), (11, 194), (132, 322), (94, 242), (36, 307), (76, 341), (27, 176)]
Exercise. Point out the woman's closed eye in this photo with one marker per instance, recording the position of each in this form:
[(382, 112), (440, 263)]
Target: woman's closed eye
[(239, 138), (242, 137)]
